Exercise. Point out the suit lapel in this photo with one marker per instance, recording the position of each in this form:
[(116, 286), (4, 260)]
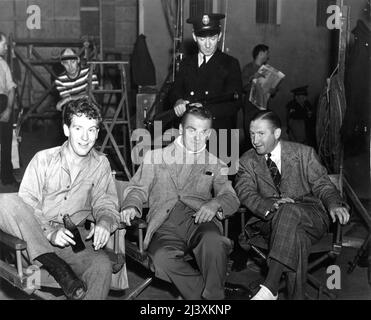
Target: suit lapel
[(262, 170), (169, 161), (288, 156)]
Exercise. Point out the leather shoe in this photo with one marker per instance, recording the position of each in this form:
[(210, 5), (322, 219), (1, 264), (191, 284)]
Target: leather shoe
[(234, 291), (72, 286)]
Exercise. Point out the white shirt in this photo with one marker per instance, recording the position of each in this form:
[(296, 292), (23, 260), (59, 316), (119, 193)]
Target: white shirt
[(201, 58), (6, 80), (276, 156)]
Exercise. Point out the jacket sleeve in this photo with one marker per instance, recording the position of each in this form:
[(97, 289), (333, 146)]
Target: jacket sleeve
[(224, 192), (320, 183), (137, 192), (31, 187), (232, 83), (105, 200), (248, 191)]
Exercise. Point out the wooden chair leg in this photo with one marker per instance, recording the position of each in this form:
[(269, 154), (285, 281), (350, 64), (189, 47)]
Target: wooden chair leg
[(319, 286), (138, 290)]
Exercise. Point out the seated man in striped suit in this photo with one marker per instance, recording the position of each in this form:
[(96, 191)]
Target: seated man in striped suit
[(293, 201), (74, 82)]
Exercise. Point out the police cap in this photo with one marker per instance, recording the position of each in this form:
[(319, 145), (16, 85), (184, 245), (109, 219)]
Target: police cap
[(206, 24)]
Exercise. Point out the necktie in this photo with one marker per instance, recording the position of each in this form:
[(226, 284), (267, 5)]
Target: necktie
[(203, 64), (276, 176)]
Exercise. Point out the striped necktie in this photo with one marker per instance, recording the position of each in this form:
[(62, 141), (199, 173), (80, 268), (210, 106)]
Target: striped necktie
[(276, 176)]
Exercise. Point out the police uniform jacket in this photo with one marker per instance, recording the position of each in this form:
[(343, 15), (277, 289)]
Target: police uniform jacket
[(220, 76)]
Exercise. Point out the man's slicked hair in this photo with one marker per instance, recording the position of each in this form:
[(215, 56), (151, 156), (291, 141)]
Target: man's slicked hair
[(199, 112), (79, 107), (259, 48), (269, 116)]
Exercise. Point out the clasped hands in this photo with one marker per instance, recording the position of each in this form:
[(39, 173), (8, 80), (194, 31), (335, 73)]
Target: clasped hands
[(62, 237), (341, 213)]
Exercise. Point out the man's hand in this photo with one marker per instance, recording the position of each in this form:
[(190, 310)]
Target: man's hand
[(207, 212), (61, 238), (5, 115), (101, 235), (281, 201), (196, 104), (180, 107), (341, 213), (258, 75), (129, 214), (273, 91)]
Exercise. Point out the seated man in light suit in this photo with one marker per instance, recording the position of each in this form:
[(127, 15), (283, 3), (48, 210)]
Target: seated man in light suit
[(188, 192), (288, 190)]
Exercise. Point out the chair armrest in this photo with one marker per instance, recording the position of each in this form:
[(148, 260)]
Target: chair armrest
[(12, 242), (338, 236), (136, 223), (139, 223)]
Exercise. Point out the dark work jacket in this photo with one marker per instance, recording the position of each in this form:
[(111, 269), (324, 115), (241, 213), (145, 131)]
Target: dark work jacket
[(221, 75)]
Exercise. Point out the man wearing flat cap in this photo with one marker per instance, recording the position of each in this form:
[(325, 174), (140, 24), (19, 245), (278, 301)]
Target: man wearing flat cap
[(208, 74), (300, 117), (73, 83)]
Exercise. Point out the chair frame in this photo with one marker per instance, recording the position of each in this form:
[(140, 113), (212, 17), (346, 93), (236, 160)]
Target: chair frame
[(17, 276), (136, 252), (334, 241)]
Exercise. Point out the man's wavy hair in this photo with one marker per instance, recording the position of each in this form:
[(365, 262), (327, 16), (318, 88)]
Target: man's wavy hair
[(199, 112), (79, 107), (270, 116)]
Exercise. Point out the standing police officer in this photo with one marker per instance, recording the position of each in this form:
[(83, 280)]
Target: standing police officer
[(210, 73)]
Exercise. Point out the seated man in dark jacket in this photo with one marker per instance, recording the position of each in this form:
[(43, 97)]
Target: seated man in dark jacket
[(288, 190)]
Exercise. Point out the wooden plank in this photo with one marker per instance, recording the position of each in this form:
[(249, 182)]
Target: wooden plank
[(38, 56), (49, 42), (34, 72), (12, 242), (9, 273)]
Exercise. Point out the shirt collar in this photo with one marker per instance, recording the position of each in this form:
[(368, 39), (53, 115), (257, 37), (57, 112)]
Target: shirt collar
[(201, 58), (178, 142), (276, 156), (93, 154), (276, 152)]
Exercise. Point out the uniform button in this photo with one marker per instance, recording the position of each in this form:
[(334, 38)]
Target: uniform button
[(192, 93), (167, 211), (68, 187), (65, 198), (206, 92)]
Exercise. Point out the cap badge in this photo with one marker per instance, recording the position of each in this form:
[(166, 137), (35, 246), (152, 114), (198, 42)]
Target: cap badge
[(205, 20)]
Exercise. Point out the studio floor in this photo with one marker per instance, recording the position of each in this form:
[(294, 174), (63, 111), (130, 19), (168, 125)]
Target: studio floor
[(353, 286)]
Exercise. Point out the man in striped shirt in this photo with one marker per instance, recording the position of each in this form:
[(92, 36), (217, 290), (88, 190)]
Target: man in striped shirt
[(74, 82)]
